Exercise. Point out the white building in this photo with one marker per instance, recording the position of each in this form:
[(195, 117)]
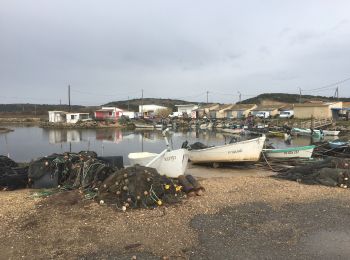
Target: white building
[(112, 113), (57, 116), (147, 110), (72, 118), (129, 114), (186, 109)]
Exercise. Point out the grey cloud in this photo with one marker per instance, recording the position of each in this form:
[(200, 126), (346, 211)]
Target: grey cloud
[(168, 48)]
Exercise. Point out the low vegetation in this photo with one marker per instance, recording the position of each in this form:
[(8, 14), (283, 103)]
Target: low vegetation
[(288, 98)]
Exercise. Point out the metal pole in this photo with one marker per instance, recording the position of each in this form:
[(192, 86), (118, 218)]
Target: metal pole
[(69, 97), (207, 96)]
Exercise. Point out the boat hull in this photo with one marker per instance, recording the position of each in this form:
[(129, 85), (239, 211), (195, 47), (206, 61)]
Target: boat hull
[(338, 144), (276, 134), (293, 152), (306, 132), (245, 151), (331, 133), (144, 126), (233, 131), (141, 158), (170, 163)]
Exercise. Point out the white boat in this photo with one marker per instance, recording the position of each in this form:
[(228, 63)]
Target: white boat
[(244, 151), (233, 130), (331, 133), (203, 126), (144, 126), (306, 132), (338, 144), (170, 163), (141, 158), (291, 152)]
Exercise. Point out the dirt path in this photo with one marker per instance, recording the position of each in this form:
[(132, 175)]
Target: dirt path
[(238, 217)]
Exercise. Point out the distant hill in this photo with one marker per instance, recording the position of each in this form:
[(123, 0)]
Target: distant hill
[(288, 98), (40, 109), (134, 103)]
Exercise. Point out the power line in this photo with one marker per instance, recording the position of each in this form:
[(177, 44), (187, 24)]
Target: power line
[(329, 85)]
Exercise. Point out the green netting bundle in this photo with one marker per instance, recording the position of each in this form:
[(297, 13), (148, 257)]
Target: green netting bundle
[(138, 187)]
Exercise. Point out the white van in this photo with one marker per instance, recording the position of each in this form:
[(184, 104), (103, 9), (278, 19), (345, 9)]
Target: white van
[(263, 114), (287, 114)]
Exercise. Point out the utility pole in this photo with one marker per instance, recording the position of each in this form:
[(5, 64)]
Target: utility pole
[(69, 98), (299, 95), (239, 96), (207, 96), (336, 94)]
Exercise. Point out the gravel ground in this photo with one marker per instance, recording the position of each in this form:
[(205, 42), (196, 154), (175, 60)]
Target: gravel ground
[(242, 217)]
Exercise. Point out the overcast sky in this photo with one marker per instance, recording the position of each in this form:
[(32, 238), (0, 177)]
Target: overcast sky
[(110, 50)]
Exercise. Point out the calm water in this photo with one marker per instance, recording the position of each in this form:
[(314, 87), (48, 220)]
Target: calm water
[(27, 143)]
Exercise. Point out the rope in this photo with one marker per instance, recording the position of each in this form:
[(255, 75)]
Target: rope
[(272, 169)]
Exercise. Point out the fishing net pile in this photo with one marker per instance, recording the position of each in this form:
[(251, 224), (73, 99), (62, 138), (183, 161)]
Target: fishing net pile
[(323, 149), (144, 187), (72, 170), (11, 176), (194, 146), (99, 179), (330, 172)]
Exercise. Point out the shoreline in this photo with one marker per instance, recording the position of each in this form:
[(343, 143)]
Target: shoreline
[(235, 215)]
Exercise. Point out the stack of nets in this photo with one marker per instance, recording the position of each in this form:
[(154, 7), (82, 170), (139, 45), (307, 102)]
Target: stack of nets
[(330, 172), (11, 176), (323, 149), (75, 170), (139, 187)]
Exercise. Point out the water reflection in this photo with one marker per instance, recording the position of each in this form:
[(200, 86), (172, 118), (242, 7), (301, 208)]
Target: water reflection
[(57, 136), (109, 135), (27, 143)]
